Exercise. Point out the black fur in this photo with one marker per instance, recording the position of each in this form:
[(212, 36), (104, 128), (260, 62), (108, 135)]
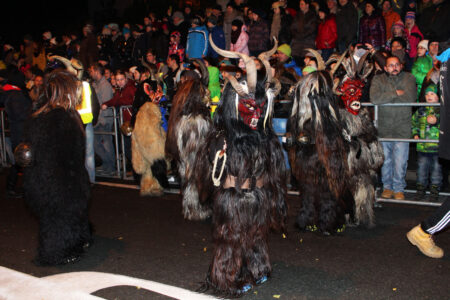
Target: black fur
[(57, 186), (159, 168)]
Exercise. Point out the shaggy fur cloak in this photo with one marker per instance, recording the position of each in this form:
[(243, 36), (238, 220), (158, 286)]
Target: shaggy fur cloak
[(189, 124), (365, 158), (57, 185), (318, 155), (244, 212), (147, 144)]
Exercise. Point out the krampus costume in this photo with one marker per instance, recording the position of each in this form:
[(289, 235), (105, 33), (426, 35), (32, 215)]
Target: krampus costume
[(148, 140), (56, 182), (189, 124), (365, 156), (242, 166), (318, 153)]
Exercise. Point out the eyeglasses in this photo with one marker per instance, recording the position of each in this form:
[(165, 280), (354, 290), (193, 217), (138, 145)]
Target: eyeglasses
[(393, 65)]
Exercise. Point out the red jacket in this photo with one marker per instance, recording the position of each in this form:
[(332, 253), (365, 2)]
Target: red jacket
[(124, 96), (327, 33)]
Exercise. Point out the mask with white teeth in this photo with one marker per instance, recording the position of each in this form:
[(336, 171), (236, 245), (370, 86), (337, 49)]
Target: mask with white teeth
[(350, 93)]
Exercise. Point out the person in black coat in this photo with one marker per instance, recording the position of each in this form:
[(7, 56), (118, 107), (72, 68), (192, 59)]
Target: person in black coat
[(56, 182)]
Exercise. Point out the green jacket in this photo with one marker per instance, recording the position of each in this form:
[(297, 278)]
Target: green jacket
[(420, 69), (424, 130)]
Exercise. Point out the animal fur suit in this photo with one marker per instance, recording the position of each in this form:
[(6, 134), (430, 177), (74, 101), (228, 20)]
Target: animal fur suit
[(57, 185), (147, 142), (365, 158), (249, 199), (318, 155)]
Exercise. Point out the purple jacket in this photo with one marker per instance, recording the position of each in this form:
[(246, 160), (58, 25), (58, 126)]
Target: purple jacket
[(372, 30)]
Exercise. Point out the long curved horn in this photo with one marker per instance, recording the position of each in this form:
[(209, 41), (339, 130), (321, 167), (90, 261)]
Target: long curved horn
[(338, 63), (265, 56), (249, 64), (66, 63), (320, 62), (203, 70)]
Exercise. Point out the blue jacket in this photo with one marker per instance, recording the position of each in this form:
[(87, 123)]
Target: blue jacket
[(218, 37), (197, 42), (291, 64)]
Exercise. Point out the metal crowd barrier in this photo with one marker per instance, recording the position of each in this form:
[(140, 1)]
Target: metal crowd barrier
[(115, 134)]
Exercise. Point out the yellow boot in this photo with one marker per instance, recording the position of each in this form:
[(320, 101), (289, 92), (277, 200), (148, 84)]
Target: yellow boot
[(424, 242)]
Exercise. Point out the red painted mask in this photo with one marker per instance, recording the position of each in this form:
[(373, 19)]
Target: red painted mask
[(351, 93), (250, 111)]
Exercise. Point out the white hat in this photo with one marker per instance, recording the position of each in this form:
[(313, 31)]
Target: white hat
[(423, 44)]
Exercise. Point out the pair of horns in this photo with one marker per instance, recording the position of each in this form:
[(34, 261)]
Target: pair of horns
[(249, 66), (74, 66)]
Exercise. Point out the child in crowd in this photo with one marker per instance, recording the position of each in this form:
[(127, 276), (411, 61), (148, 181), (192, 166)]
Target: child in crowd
[(425, 125)]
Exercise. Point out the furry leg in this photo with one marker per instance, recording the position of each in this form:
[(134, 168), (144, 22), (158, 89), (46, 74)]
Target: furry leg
[(306, 214), (364, 196), (257, 255), (192, 208), (150, 185)]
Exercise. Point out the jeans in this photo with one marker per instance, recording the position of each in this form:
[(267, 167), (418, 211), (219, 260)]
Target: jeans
[(428, 166), (393, 171), (103, 143), (90, 156)]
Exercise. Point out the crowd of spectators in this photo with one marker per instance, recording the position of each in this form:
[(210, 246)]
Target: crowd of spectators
[(119, 55)]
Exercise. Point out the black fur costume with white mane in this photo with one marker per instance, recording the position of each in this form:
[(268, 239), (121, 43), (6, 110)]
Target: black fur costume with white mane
[(241, 169)]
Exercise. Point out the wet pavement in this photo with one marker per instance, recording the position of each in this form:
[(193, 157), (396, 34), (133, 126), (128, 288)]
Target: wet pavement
[(148, 238)]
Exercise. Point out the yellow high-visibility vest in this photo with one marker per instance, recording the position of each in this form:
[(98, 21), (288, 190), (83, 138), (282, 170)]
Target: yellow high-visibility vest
[(85, 108)]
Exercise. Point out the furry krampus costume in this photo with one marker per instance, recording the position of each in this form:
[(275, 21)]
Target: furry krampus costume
[(318, 153), (365, 155), (243, 158), (147, 142), (56, 182), (189, 124)]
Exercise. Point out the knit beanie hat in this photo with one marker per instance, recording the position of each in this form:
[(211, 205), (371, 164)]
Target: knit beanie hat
[(178, 14), (285, 49), (423, 44), (398, 24), (431, 88), (410, 15)]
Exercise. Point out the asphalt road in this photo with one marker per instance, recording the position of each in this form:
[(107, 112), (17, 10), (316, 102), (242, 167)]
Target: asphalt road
[(148, 238)]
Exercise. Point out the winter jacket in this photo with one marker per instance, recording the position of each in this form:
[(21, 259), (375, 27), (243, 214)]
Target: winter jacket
[(218, 37), (372, 30), (227, 19), (197, 42), (347, 23), (424, 130), (420, 69), (390, 17), (414, 37), (393, 122), (258, 36), (122, 97), (327, 34), (304, 31), (89, 53), (280, 28), (177, 49), (241, 44)]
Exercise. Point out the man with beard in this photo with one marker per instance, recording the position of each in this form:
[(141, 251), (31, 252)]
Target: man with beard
[(394, 86)]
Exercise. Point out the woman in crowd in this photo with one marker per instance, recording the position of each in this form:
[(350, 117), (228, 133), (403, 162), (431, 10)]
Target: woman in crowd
[(372, 27)]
